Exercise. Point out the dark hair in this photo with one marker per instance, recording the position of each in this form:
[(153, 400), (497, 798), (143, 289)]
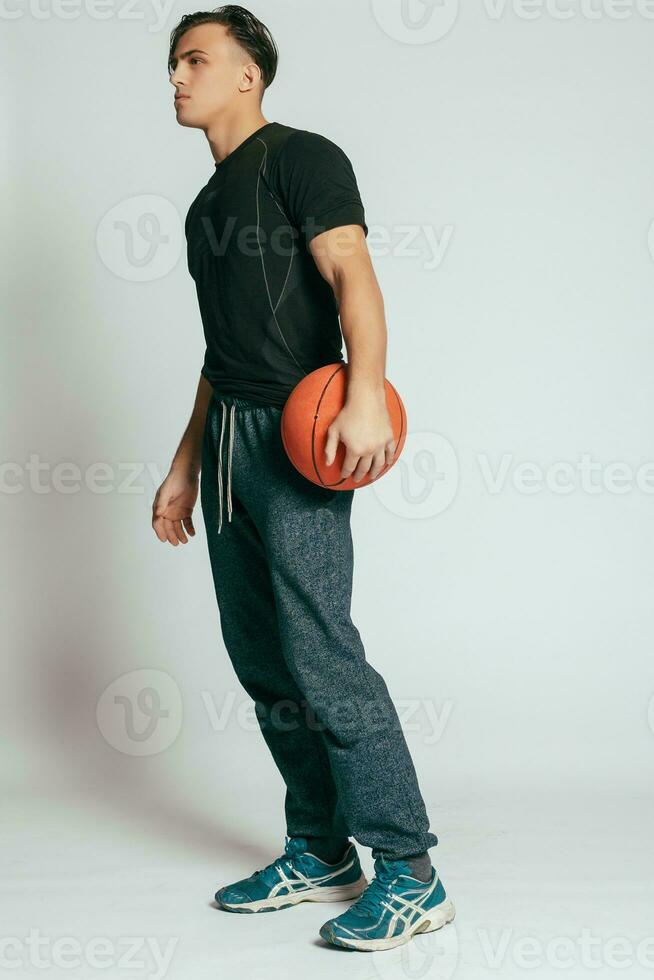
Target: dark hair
[(246, 29)]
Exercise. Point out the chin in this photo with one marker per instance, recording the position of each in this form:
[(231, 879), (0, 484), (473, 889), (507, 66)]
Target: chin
[(185, 119), (187, 116)]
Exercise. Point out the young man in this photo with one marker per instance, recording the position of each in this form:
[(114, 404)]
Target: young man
[(276, 246)]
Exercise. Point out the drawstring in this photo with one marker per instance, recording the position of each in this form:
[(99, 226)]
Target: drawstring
[(229, 465)]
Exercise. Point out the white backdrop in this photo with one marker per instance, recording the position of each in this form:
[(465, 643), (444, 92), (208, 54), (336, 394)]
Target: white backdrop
[(503, 569)]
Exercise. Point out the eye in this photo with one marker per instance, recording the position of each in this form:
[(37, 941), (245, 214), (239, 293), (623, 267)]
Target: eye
[(199, 60)]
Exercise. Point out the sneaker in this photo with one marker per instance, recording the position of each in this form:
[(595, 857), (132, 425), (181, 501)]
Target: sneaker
[(394, 907), (295, 876)]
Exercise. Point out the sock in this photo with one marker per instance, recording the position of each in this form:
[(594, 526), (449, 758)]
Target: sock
[(329, 849), (420, 865)]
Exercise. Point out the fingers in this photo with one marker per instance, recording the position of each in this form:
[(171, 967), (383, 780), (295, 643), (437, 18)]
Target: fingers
[(390, 452), (171, 536), (159, 528), (358, 466), (362, 467), (378, 463), (331, 445), (350, 461), (179, 531), (173, 531)]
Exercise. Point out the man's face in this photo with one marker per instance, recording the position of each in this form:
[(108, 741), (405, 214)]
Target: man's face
[(208, 68)]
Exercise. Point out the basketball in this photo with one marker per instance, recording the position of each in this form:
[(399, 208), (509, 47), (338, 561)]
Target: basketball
[(308, 412)]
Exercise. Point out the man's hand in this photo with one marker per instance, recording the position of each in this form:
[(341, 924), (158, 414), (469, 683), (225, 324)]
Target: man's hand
[(364, 427), (173, 506)]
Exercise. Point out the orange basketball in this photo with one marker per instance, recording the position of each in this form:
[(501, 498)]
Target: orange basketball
[(308, 412)]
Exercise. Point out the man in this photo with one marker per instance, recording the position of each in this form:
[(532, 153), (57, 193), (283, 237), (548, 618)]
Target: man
[(276, 247)]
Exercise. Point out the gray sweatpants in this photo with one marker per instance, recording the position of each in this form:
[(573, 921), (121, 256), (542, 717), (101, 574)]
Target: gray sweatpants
[(282, 562)]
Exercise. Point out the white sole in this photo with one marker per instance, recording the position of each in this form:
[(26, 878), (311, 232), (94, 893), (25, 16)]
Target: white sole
[(339, 893), (436, 918)]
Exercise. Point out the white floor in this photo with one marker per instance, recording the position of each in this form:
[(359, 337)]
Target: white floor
[(558, 888)]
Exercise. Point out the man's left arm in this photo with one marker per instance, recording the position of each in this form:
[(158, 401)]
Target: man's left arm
[(363, 425)]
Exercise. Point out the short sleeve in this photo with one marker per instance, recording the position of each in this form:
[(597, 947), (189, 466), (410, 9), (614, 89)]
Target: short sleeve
[(317, 185)]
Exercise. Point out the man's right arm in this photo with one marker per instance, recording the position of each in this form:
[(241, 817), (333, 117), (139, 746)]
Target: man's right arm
[(173, 504), (188, 457)]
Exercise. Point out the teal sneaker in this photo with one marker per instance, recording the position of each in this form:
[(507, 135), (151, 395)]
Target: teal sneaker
[(295, 876), (394, 907)]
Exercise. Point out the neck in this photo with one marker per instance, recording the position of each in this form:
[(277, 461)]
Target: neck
[(224, 135)]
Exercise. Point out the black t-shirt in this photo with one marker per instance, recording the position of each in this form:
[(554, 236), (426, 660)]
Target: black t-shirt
[(269, 317)]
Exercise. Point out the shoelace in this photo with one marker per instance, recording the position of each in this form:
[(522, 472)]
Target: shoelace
[(291, 850), (379, 890), (279, 862)]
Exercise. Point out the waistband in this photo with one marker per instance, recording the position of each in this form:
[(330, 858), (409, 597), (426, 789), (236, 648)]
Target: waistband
[(239, 401)]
